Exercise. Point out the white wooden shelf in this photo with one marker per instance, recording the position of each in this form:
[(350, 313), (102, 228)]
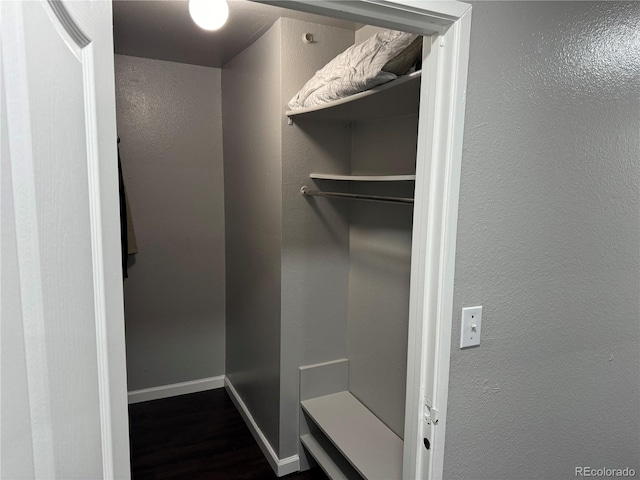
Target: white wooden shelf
[(335, 466), (391, 99), (363, 178), (368, 444)]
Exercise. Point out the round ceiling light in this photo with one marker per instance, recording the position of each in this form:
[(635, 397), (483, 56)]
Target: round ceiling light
[(209, 14)]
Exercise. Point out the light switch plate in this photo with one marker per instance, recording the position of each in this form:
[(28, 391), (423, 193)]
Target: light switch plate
[(470, 327)]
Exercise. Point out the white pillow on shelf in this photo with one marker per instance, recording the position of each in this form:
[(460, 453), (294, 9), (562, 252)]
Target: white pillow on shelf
[(355, 70)]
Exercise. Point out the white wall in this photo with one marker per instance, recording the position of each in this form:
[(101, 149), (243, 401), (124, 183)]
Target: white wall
[(170, 125), (548, 243)]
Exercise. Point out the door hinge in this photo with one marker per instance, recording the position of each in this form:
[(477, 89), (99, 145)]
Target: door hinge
[(430, 412)]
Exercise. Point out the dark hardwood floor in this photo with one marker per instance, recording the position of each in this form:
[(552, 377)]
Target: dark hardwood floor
[(197, 436)]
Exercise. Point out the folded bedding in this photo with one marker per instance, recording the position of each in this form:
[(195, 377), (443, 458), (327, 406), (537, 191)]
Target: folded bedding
[(377, 60)]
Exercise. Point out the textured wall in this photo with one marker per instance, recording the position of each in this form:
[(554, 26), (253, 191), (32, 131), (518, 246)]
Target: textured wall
[(380, 267), (315, 234), (170, 124), (253, 209), (548, 241)]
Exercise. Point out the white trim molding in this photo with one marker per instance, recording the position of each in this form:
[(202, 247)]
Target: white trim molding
[(282, 466), (434, 244), (175, 389)]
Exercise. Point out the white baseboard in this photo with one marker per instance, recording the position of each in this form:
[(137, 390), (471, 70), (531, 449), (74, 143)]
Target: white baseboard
[(173, 390), (281, 467)]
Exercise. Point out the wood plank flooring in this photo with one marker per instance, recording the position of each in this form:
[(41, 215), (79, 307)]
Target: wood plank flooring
[(200, 436)]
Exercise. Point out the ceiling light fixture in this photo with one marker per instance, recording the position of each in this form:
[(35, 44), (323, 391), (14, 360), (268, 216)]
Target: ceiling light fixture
[(209, 14)]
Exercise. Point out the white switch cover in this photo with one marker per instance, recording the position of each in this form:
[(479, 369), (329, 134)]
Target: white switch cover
[(471, 325)]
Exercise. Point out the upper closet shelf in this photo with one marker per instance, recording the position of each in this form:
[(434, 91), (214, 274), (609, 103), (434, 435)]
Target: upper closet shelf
[(391, 99), (363, 178)]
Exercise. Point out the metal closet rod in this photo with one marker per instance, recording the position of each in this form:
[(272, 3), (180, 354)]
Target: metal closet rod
[(355, 196)]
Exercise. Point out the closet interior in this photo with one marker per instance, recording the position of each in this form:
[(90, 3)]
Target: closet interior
[(317, 223)]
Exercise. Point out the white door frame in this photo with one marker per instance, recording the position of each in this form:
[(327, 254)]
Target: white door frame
[(439, 156)]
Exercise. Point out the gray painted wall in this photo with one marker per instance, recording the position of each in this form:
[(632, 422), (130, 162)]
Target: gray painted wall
[(170, 124), (287, 258), (379, 269), (548, 240), (253, 208), (365, 32), (345, 266), (315, 232)]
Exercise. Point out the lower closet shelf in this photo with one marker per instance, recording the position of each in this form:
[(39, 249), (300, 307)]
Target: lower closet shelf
[(367, 443), (336, 467)]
